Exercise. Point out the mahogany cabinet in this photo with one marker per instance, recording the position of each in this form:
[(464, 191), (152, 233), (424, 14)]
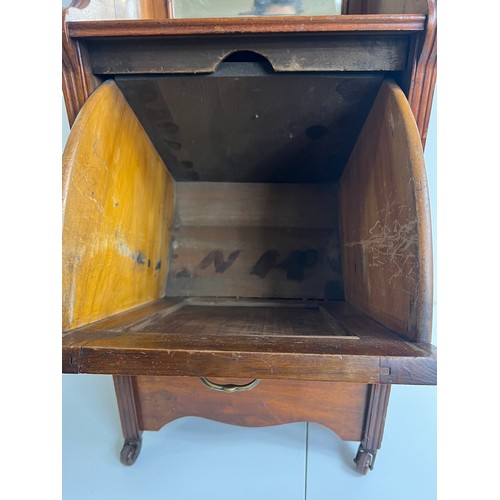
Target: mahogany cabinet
[(246, 227)]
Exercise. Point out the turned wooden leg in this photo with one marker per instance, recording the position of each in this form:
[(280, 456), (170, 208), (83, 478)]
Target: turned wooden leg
[(127, 407), (373, 428)]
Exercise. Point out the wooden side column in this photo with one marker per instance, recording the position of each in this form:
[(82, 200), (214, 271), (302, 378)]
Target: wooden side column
[(129, 416), (373, 433)]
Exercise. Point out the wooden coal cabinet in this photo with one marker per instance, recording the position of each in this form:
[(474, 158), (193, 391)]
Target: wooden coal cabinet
[(246, 226)]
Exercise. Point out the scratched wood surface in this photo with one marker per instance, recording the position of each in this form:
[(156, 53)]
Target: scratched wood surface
[(118, 201), (385, 220), (256, 240), (340, 407)]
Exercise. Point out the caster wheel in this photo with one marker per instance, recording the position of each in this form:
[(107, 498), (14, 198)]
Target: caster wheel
[(364, 461), (130, 452)]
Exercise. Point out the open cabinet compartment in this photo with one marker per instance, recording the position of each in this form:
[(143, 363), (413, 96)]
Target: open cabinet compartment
[(210, 233)]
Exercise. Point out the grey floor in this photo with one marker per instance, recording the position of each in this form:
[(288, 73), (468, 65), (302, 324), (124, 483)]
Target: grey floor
[(192, 458)]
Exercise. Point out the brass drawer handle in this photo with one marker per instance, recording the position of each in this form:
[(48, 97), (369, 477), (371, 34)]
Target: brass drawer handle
[(229, 387)]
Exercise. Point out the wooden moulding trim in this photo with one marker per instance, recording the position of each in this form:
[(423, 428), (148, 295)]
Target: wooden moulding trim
[(125, 395), (74, 86), (424, 79), (78, 82), (375, 418), (222, 26)]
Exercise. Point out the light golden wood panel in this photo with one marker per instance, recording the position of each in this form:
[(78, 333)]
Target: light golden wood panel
[(118, 203), (385, 220)]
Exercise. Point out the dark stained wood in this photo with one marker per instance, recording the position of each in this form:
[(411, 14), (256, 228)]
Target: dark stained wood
[(374, 425), (128, 408), (78, 82), (255, 240), (342, 52), (424, 74), (375, 357), (340, 407), (222, 128), (240, 25), (385, 224)]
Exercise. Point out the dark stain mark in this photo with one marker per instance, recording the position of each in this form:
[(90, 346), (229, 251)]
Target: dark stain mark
[(297, 261), (116, 204), (169, 128), (187, 164), (265, 263), (140, 258), (173, 145), (295, 264), (217, 258), (149, 262), (183, 273), (158, 266), (315, 132), (334, 290), (349, 92)]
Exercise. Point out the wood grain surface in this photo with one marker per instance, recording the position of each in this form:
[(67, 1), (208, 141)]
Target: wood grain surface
[(255, 240), (118, 202), (385, 220), (121, 346), (340, 407)]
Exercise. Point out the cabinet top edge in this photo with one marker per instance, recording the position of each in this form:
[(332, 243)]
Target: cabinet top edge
[(248, 25)]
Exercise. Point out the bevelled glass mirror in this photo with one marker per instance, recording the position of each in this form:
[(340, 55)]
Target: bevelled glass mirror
[(234, 8)]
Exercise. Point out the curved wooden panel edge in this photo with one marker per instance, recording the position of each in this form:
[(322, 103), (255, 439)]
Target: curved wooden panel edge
[(338, 406), (118, 203), (385, 220)]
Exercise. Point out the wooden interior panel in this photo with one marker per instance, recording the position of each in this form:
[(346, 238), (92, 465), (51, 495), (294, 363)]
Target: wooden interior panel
[(256, 240), (118, 207), (385, 222), (247, 124), (340, 407)]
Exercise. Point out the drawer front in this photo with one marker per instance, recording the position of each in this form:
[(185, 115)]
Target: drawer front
[(340, 407)]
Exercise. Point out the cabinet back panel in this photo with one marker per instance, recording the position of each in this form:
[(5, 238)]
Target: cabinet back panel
[(255, 240)]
